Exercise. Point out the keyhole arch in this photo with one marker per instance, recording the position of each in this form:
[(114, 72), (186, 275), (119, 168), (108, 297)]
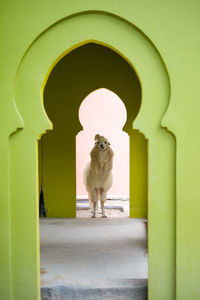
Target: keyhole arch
[(103, 112), (33, 70), (83, 70), (92, 103)]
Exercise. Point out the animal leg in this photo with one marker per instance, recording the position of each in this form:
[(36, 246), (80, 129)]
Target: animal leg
[(94, 200), (103, 200), (90, 202), (91, 206), (94, 210)]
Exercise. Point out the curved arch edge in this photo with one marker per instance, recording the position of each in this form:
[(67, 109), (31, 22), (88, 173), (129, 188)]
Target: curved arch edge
[(46, 122)]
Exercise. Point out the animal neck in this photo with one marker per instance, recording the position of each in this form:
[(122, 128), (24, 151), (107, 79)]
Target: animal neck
[(102, 157), (103, 162)]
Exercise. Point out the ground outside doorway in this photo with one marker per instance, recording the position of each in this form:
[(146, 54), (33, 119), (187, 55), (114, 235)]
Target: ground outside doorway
[(94, 259)]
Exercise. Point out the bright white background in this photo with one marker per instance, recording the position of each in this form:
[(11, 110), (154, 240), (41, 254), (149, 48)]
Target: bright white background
[(102, 112)]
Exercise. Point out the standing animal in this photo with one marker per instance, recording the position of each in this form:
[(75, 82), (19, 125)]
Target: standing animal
[(97, 174)]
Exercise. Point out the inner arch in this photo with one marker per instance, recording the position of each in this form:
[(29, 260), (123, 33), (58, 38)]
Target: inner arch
[(99, 109), (77, 74), (103, 112)]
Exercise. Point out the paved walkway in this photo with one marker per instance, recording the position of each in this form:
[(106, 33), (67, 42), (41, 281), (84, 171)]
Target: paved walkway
[(92, 252), (73, 249)]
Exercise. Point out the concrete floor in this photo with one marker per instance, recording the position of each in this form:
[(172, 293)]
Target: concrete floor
[(91, 250)]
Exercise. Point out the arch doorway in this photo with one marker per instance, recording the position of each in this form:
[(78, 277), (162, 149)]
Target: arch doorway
[(34, 69), (103, 112), (82, 71)]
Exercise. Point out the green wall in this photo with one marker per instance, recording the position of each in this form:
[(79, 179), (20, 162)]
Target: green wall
[(160, 39), (82, 71)]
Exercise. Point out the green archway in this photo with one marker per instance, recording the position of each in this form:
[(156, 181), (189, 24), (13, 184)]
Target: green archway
[(77, 74), (37, 63)]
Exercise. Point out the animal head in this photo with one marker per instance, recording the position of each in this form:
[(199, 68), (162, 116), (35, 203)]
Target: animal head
[(101, 142)]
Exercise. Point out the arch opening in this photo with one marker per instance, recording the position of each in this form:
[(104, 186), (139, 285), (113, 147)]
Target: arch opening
[(76, 75), (84, 70), (103, 112), (141, 52)]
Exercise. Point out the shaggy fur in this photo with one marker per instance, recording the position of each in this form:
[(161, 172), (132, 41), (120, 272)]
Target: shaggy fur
[(97, 174)]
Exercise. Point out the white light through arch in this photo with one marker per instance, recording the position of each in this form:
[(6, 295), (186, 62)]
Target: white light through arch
[(103, 112)]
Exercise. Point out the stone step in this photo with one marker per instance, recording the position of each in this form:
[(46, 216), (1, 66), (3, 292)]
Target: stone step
[(87, 207), (84, 199), (129, 289)]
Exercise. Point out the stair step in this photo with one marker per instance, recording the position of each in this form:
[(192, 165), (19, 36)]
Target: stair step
[(85, 200), (129, 289), (87, 207)]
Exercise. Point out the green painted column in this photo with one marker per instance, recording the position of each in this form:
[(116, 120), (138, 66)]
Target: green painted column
[(162, 201), (24, 228), (187, 234), (59, 172), (5, 224), (138, 175)]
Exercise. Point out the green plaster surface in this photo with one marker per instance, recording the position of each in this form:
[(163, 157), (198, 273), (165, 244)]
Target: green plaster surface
[(34, 36)]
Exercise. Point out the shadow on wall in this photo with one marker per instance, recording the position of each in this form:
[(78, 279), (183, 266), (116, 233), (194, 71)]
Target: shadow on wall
[(85, 69)]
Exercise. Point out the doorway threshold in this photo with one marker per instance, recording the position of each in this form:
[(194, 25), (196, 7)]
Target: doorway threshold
[(93, 259)]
